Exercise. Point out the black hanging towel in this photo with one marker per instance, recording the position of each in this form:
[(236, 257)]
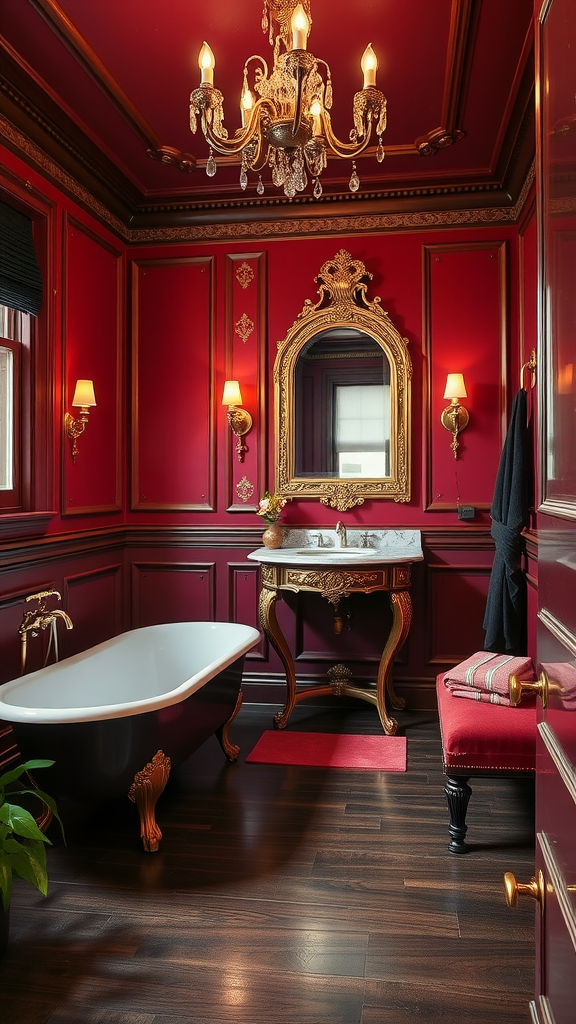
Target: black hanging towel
[(20, 274), (506, 615)]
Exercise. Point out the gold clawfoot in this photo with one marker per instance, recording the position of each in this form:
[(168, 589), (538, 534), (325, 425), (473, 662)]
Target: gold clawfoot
[(230, 749), (148, 785)]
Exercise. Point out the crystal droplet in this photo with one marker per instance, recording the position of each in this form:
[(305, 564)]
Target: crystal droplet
[(354, 183), (260, 186), (211, 165), (317, 190), (243, 179), (380, 151)]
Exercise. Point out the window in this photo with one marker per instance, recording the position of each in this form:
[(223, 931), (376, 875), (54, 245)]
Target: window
[(14, 340), (23, 364)]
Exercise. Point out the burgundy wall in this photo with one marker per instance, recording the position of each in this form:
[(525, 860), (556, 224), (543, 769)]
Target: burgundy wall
[(155, 518)]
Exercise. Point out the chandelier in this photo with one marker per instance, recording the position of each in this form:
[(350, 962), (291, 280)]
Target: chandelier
[(285, 113)]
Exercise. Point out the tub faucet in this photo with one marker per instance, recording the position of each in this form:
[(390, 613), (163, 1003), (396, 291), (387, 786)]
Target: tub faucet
[(39, 618), (341, 534)]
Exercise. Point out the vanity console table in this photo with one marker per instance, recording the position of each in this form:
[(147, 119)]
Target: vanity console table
[(335, 572)]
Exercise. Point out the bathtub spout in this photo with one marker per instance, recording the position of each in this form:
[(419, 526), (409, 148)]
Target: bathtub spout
[(39, 618), (59, 614)]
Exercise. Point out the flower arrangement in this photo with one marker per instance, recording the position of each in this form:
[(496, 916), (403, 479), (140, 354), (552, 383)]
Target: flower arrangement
[(270, 507)]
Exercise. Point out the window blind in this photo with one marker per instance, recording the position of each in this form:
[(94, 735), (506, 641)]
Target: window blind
[(20, 274)]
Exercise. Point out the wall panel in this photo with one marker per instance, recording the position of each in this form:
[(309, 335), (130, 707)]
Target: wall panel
[(93, 350), (244, 594), (94, 601), (456, 604), (465, 325), (173, 403), (172, 592)]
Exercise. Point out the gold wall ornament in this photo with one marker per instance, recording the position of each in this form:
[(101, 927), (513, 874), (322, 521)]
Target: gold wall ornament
[(244, 327), (244, 275), (346, 319), (244, 489)]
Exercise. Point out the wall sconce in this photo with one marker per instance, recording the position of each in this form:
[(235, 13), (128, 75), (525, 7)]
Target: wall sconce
[(83, 399), (240, 421), (455, 417)]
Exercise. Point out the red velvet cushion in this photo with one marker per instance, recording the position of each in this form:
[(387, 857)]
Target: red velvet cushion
[(477, 735)]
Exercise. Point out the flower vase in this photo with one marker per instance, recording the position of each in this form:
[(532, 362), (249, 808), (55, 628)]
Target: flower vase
[(273, 536)]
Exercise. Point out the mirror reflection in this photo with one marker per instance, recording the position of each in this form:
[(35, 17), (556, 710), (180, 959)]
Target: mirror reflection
[(342, 407)]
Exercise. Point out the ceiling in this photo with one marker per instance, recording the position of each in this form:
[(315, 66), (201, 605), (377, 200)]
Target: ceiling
[(103, 88)]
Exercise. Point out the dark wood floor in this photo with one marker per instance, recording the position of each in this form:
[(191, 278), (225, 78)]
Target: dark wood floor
[(283, 896)]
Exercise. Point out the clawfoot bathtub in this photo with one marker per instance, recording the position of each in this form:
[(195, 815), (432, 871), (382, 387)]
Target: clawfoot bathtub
[(118, 716)]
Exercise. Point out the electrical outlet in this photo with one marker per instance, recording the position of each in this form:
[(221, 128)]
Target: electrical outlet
[(466, 512)]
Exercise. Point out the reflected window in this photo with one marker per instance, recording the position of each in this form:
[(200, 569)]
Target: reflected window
[(362, 430), (342, 407)]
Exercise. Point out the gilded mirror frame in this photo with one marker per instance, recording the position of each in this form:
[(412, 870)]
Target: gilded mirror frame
[(343, 303)]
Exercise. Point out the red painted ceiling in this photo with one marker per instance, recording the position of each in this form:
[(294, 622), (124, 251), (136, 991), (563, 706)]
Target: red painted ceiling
[(148, 50)]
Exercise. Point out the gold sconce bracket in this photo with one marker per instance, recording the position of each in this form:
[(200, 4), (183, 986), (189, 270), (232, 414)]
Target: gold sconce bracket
[(241, 424), (239, 420), (84, 399), (74, 428), (455, 418)]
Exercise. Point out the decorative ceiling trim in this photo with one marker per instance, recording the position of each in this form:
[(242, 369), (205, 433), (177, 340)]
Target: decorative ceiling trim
[(29, 151), (334, 225), (61, 24), (352, 223)]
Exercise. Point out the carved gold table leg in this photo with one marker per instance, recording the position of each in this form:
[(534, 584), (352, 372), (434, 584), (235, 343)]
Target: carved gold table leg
[(401, 604), (148, 785), (269, 624), (230, 749)]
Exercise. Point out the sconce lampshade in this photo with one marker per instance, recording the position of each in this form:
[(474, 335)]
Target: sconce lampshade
[(455, 387), (84, 394), (232, 395)]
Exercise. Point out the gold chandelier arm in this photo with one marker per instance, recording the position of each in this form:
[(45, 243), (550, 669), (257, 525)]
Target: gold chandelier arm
[(343, 149), (229, 147)]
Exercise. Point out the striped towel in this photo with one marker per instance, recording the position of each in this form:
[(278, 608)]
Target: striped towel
[(485, 676)]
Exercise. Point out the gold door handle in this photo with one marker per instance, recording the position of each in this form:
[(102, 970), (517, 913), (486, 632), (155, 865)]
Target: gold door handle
[(518, 687), (514, 889)]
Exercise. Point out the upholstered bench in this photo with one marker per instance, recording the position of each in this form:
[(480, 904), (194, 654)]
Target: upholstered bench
[(480, 739)]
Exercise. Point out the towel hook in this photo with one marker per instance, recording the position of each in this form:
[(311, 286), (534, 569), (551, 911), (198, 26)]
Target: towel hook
[(530, 365)]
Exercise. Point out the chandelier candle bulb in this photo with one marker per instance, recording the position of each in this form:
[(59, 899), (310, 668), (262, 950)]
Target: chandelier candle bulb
[(369, 65), (246, 104), (300, 28), (206, 63)]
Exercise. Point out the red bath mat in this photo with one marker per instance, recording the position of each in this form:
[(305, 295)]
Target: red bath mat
[(331, 750)]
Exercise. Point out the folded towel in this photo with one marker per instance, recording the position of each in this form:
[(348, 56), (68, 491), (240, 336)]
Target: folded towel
[(485, 676)]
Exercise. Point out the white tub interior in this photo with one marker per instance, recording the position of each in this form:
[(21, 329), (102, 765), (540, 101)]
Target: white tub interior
[(138, 671)]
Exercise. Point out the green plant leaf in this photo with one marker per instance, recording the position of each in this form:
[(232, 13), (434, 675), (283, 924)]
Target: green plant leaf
[(15, 773), (28, 860), (21, 822), (46, 799)]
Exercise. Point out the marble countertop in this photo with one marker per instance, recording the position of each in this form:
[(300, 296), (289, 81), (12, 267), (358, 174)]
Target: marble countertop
[(322, 547)]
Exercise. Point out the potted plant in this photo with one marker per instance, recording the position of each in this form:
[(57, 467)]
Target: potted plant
[(22, 843)]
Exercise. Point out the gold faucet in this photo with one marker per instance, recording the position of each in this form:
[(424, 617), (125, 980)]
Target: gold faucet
[(39, 618), (341, 534)]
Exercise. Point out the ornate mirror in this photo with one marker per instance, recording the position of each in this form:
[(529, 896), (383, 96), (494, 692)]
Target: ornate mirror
[(342, 396)]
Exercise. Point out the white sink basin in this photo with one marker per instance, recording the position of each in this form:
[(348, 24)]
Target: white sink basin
[(336, 552)]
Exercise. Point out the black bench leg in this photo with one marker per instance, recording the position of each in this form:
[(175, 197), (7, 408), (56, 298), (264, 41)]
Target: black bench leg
[(457, 793)]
